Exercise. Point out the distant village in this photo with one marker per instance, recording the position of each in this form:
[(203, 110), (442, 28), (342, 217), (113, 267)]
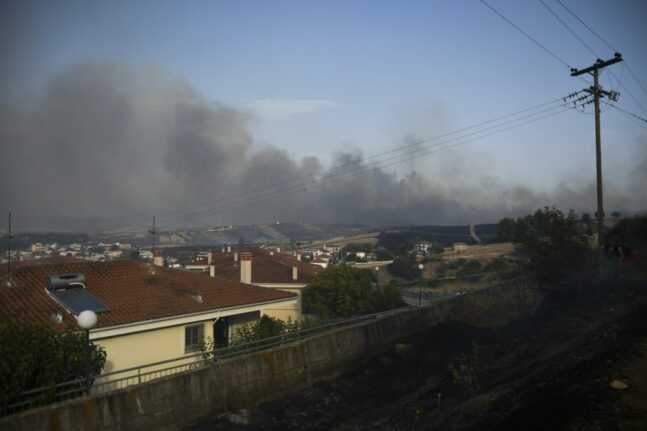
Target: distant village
[(106, 251), (95, 252), (323, 255)]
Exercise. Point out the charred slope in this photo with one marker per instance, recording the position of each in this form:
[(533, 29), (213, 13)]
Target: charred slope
[(549, 371)]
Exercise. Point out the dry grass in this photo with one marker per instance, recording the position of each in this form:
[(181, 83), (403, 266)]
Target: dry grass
[(478, 252)]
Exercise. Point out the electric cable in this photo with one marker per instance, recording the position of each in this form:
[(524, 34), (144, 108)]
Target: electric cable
[(330, 177), (643, 121), (364, 169), (337, 168), (631, 72), (532, 39)]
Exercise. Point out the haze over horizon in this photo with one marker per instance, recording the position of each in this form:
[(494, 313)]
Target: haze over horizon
[(252, 113)]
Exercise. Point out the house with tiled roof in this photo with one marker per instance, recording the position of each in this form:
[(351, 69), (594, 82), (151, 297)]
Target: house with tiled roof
[(264, 268), (322, 263), (152, 313), (332, 248)]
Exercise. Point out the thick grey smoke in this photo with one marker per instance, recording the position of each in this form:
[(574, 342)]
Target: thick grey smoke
[(107, 140)]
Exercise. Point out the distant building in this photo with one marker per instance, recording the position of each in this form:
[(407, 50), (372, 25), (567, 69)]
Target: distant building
[(423, 246), (320, 262), (332, 248), (146, 254)]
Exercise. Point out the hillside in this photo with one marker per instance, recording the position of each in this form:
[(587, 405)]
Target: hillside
[(554, 369)]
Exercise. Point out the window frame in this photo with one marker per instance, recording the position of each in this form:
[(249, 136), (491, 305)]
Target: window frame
[(188, 335)]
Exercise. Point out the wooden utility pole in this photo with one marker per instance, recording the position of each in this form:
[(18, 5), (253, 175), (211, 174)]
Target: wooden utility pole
[(598, 92)]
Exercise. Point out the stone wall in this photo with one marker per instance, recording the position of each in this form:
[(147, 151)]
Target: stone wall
[(243, 381)]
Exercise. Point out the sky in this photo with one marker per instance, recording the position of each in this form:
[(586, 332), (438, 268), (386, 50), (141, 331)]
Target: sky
[(113, 110)]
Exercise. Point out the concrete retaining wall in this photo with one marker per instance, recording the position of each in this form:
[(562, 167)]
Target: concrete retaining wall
[(243, 381)]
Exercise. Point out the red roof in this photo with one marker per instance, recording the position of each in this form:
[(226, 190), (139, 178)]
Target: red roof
[(129, 289), (266, 268), (4, 268)]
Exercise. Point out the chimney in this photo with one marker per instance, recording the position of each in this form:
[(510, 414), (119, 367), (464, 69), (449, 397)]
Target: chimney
[(246, 268), (158, 259), (299, 257), (271, 252), (236, 257), (222, 250), (212, 270), (228, 249), (295, 273), (278, 249), (209, 257)]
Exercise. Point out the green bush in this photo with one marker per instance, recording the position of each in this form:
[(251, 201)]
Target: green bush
[(465, 370), (265, 327), (383, 254), (497, 264), (470, 268), (555, 245), (36, 355), (405, 266), (344, 291)]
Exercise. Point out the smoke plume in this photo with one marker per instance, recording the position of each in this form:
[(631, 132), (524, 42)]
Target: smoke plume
[(106, 140)]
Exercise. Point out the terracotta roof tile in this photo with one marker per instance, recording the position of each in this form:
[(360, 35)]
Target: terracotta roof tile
[(266, 268), (129, 289)]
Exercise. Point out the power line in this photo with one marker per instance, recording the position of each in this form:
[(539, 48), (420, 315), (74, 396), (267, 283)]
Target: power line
[(340, 168), (532, 39), (619, 80), (526, 34), (393, 159), (636, 78), (568, 28), (611, 48), (627, 113), (586, 25), (363, 169), (374, 156)]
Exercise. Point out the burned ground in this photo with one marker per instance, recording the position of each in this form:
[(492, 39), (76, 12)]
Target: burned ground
[(551, 370)]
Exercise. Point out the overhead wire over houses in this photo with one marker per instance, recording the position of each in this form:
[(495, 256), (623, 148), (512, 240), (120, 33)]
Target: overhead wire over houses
[(625, 63), (388, 158), (643, 121), (395, 156), (529, 37), (407, 156), (520, 30), (339, 169)]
